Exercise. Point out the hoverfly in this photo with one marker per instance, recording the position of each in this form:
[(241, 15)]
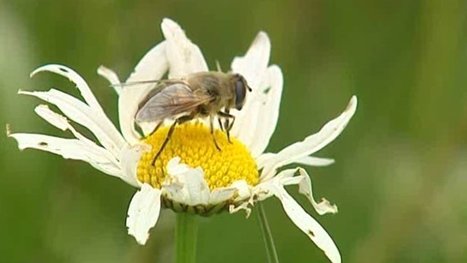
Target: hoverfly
[(204, 94)]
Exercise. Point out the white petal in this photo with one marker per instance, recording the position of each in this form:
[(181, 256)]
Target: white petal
[(270, 109), (219, 195), (88, 151), (184, 56), (129, 162), (77, 80), (245, 206), (151, 67), (111, 76), (256, 131), (315, 161), (244, 198), (305, 188), (264, 158), (306, 160), (82, 114), (303, 180), (51, 117), (62, 123), (307, 224), (185, 184), (143, 212), (253, 65), (312, 143), (243, 189), (246, 124), (88, 96), (262, 190), (59, 121), (74, 149), (260, 112)]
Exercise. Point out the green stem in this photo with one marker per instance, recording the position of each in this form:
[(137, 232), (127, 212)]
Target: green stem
[(185, 238), (267, 235)]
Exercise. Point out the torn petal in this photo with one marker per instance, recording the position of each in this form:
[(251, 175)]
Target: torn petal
[(219, 195), (305, 188), (77, 80), (143, 212), (290, 177), (243, 189), (62, 123), (185, 184), (82, 114), (307, 224), (74, 149)]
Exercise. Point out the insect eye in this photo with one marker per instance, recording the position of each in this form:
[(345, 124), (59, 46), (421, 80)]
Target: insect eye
[(240, 92)]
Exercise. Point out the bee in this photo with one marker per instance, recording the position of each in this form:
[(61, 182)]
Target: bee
[(198, 95)]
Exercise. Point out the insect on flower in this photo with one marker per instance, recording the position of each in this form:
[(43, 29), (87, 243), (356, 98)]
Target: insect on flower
[(204, 94), (190, 175)]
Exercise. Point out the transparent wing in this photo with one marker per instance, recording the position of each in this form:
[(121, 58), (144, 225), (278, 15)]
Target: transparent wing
[(170, 101)]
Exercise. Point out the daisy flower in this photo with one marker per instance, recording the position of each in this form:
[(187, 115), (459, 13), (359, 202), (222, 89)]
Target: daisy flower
[(190, 175)]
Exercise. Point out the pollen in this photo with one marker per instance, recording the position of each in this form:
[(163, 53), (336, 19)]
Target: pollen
[(194, 144)]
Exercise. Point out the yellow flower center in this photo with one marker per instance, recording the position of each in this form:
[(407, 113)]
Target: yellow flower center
[(194, 144)]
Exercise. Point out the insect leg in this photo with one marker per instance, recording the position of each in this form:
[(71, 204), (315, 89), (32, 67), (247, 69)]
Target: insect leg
[(180, 120), (211, 120), (230, 127), (227, 125), (220, 124)]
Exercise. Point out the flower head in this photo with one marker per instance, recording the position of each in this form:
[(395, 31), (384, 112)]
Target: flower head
[(190, 175)]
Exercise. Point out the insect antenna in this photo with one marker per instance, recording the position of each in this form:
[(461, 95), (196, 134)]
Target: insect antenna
[(126, 84)]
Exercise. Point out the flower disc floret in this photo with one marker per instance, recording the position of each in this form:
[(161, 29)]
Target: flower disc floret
[(194, 144)]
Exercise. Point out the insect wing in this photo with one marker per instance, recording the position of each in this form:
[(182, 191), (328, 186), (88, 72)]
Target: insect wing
[(170, 101)]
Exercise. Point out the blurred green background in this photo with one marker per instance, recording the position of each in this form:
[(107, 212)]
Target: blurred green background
[(400, 173)]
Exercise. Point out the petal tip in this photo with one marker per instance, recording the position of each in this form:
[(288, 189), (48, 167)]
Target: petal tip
[(353, 103), (140, 238), (143, 213), (167, 20), (262, 38), (351, 107), (8, 130), (101, 68), (170, 27), (34, 72), (262, 35), (52, 68)]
